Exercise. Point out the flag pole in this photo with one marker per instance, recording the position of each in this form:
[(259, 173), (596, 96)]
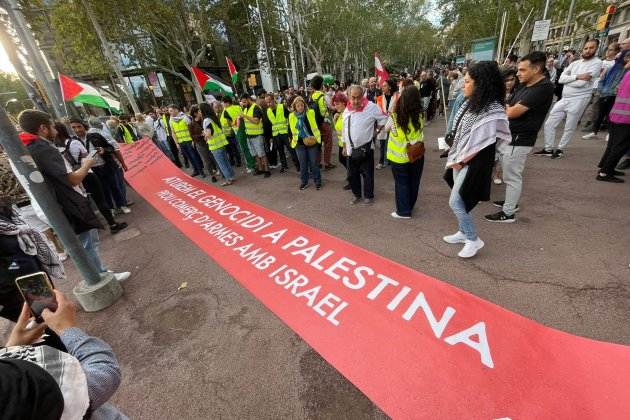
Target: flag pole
[(228, 61), (63, 98)]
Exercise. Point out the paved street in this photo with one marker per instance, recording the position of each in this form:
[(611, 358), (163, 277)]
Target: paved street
[(211, 350)]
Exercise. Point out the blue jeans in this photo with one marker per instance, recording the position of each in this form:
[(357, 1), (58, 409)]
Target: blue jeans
[(221, 156), (90, 242), (122, 187), (466, 224), (308, 161), (407, 184), (191, 153)]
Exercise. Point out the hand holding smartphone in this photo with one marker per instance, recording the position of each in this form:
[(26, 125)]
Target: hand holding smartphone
[(38, 293)]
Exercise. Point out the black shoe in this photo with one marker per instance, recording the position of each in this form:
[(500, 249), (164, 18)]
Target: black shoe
[(303, 186), (500, 217), (355, 200), (557, 154), (214, 178), (347, 187), (194, 174), (267, 174), (329, 166), (618, 173), (609, 178), (624, 165), (320, 166), (318, 187), (282, 170), (500, 204), (117, 227), (203, 174), (444, 154), (187, 166), (543, 152), (257, 172)]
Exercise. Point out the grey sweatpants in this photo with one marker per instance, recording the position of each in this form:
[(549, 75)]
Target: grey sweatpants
[(512, 160)]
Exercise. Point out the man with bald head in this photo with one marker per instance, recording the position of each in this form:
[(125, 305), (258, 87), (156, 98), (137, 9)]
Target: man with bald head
[(359, 121)]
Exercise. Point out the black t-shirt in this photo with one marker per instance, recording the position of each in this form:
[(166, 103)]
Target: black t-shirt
[(426, 88), (537, 99)]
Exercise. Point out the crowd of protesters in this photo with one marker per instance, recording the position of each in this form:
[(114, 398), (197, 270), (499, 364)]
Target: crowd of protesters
[(494, 116)]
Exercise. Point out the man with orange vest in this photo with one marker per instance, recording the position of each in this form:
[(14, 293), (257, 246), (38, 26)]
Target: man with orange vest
[(386, 103)]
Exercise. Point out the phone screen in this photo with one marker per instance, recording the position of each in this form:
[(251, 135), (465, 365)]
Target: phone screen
[(37, 292)]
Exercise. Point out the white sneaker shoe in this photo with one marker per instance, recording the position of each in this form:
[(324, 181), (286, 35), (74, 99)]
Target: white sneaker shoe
[(122, 276), (589, 136), (471, 248), (456, 238), (395, 215), (498, 181), (125, 209), (607, 136), (63, 256)]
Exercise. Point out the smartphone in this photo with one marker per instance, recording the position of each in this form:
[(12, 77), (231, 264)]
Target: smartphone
[(37, 291), (92, 153)]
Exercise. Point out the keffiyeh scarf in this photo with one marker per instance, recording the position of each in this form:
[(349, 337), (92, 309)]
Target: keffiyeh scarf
[(478, 131), (33, 243)]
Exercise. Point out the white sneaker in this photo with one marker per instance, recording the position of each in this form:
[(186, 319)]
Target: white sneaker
[(589, 136), (122, 276), (125, 209), (607, 135), (456, 238), (379, 166), (395, 215), (63, 256), (498, 181), (471, 248)]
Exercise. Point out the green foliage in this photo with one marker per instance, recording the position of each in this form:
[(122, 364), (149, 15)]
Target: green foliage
[(465, 20)]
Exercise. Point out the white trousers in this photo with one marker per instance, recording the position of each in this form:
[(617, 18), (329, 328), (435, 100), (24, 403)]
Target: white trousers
[(571, 109)]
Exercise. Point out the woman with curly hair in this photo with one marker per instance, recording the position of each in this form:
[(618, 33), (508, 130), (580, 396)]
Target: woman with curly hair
[(405, 128), (479, 123)]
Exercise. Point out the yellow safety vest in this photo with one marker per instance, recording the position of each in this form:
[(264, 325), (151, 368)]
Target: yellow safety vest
[(127, 137), (230, 129), (323, 109), (180, 130), (217, 140), (339, 129), (250, 128), (398, 140), (310, 116), (278, 121)]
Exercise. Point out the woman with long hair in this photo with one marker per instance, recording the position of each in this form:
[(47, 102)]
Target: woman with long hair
[(405, 129), (305, 140), (217, 142), (479, 124), (199, 140)]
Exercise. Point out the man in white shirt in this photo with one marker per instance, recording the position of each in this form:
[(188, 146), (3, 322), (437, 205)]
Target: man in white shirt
[(359, 121), (578, 79)]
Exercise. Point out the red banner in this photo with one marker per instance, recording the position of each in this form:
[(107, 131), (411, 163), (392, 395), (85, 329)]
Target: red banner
[(416, 346)]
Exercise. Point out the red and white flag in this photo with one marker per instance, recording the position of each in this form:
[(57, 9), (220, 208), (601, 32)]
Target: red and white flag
[(381, 73)]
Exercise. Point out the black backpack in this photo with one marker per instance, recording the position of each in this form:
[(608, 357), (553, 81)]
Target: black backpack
[(314, 105)]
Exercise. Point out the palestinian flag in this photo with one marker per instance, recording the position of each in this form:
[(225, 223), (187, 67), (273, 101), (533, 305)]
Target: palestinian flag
[(232, 70), (74, 91), (211, 83)]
